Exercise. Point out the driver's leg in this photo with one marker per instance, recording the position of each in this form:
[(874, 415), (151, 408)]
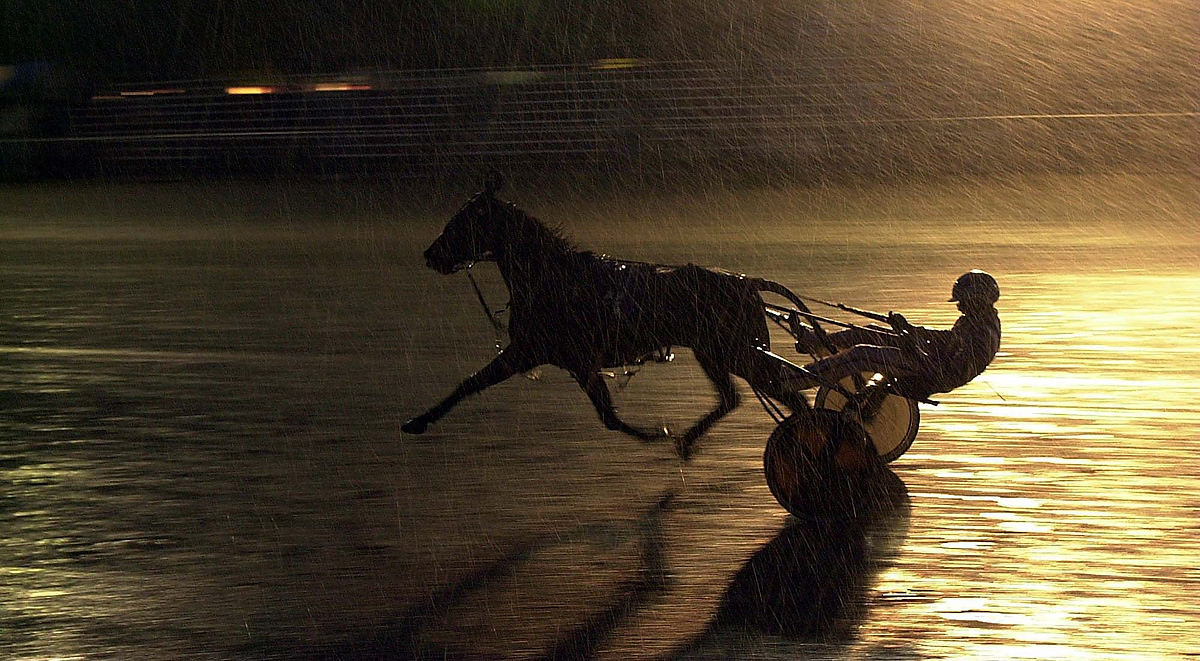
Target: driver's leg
[(890, 361)]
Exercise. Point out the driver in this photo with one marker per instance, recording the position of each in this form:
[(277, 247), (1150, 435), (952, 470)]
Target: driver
[(923, 361)]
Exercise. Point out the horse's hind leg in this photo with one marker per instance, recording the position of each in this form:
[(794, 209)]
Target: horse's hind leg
[(727, 401), (504, 365), (777, 378), (597, 391)]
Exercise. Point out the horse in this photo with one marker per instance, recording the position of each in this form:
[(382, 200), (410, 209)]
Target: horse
[(584, 312)]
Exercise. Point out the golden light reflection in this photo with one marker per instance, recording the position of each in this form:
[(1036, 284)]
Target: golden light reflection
[(1085, 457)]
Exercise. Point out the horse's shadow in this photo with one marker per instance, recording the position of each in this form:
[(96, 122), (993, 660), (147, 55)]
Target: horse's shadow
[(402, 639), (811, 582)]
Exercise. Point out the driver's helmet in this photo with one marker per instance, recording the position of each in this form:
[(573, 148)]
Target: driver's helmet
[(975, 287)]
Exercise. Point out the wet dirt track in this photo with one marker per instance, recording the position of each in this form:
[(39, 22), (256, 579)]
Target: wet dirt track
[(200, 453)]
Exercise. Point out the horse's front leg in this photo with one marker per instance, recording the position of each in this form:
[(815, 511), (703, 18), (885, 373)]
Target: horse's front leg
[(507, 363), (597, 391)]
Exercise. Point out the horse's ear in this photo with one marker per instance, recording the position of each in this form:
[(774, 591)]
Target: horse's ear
[(493, 183)]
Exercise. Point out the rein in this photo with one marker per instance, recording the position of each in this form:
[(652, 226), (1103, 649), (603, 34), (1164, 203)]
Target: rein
[(493, 316)]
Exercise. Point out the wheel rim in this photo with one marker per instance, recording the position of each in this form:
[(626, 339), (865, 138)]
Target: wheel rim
[(891, 424)]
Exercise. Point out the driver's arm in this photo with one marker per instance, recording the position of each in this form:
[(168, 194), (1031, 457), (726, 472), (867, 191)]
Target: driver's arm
[(902, 334), (929, 341)]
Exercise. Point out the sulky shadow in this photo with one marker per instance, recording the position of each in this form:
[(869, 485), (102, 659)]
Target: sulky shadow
[(810, 583)]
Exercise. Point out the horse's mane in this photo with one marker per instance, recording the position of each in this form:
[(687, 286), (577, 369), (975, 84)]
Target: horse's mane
[(532, 232)]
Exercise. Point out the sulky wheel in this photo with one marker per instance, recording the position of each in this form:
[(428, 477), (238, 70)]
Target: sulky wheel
[(819, 463), (891, 421)]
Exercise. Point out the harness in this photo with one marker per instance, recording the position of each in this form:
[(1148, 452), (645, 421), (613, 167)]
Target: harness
[(660, 355)]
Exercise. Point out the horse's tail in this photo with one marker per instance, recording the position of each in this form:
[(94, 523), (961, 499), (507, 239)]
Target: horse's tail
[(762, 284), (776, 288)]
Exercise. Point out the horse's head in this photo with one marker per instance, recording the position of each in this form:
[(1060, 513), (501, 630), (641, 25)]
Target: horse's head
[(471, 235)]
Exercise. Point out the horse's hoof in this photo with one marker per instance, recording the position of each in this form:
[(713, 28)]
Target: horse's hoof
[(414, 426)]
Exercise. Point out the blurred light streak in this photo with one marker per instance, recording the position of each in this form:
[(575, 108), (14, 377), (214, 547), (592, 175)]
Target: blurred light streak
[(617, 63), (249, 90), (155, 92), (340, 87)]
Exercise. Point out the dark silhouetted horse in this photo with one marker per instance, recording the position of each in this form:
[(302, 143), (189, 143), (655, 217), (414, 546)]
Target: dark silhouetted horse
[(584, 312)]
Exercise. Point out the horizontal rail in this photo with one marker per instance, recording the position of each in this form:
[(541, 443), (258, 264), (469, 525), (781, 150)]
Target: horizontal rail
[(684, 109)]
